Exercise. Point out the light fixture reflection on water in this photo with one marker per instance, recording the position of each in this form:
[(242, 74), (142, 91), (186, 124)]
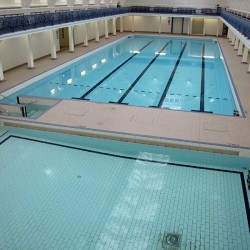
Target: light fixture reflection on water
[(94, 66), (104, 60), (52, 91), (69, 81), (83, 73), (135, 51)]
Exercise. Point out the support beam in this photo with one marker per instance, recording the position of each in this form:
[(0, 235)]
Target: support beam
[(245, 55), (106, 28), (30, 53), (233, 39), (53, 44), (97, 36), (217, 30), (121, 24), (248, 68), (188, 28), (1, 72), (114, 26), (85, 35), (240, 49), (236, 44), (230, 35), (133, 24), (204, 28), (71, 39), (160, 23)]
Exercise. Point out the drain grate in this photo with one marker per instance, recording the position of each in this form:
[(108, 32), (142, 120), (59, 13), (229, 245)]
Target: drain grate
[(172, 241)]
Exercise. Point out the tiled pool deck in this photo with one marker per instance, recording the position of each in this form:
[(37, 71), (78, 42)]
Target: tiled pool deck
[(173, 128)]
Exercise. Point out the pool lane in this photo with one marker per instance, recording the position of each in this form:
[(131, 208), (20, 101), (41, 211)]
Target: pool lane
[(182, 91), (142, 73), (112, 72), (116, 86)]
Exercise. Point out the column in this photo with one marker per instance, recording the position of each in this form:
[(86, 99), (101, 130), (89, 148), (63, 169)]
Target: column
[(121, 24), (204, 28), (133, 24), (248, 68), (52, 4), (188, 28), (191, 23), (30, 53), (97, 36), (70, 3), (1, 72), (233, 39), (228, 33), (85, 35), (53, 44), (240, 49), (114, 26), (160, 26), (106, 28), (71, 39), (236, 44), (26, 5), (245, 55), (218, 23)]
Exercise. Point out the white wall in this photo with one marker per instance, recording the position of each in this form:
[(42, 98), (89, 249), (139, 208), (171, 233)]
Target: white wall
[(196, 3), (13, 52)]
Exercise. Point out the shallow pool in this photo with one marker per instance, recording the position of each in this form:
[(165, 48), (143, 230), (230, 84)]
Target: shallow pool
[(70, 192)]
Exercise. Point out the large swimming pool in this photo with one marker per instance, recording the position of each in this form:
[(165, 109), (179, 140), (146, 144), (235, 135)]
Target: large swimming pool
[(150, 71), (71, 192)]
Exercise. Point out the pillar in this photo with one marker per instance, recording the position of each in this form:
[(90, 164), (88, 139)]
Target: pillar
[(160, 25), (53, 44), (97, 36), (236, 44), (217, 30), (248, 68), (52, 4), (30, 53), (245, 55), (240, 49), (204, 28), (121, 24), (233, 39), (26, 5), (114, 26), (106, 28), (191, 24), (1, 72), (188, 28), (229, 35), (85, 35), (71, 39), (133, 24)]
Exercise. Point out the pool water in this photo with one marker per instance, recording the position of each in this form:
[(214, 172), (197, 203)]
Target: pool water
[(69, 192), (150, 71)]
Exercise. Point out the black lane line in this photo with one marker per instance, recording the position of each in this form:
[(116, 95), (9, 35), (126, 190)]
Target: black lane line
[(243, 185), (112, 72), (202, 80), (171, 78), (140, 76)]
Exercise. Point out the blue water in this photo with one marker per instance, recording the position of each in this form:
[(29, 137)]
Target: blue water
[(188, 74), (70, 192)]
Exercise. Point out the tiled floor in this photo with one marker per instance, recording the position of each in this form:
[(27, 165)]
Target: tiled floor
[(174, 127)]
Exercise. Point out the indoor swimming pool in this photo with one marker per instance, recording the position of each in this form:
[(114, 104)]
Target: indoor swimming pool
[(71, 192), (150, 71)]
